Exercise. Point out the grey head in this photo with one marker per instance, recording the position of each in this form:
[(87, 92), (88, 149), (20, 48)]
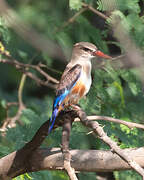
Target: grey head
[(86, 51)]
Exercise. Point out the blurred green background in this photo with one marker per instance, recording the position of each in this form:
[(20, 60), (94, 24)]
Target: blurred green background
[(116, 93)]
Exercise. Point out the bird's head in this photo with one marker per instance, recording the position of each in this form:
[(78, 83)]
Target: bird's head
[(86, 50)]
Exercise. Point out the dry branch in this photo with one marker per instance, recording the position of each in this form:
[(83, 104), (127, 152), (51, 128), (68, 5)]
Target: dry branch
[(71, 20), (30, 158), (23, 68), (130, 125), (65, 146), (20, 159), (82, 160), (94, 11), (11, 121), (113, 145)]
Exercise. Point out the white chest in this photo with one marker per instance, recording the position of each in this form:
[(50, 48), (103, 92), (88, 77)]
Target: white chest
[(85, 76), (86, 79), (83, 84)]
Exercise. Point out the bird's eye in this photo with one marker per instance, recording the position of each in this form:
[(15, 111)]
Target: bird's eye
[(86, 49)]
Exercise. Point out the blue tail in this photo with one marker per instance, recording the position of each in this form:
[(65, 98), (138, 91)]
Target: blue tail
[(57, 102), (52, 119)]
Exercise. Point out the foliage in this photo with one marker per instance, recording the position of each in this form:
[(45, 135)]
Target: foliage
[(116, 93), (75, 4)]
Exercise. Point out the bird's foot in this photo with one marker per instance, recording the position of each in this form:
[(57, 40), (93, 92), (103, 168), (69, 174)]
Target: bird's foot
[(75, 107)]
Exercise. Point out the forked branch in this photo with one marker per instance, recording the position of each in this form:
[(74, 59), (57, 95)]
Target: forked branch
[(113, 145)]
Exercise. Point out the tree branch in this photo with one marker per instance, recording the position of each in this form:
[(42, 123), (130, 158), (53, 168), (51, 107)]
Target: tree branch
[(11, 121), (94, 11), (21, 158), (22, 68), (71, 20), (113, 145), (82, 160), (30, 158), (65, 146), (130, 125)]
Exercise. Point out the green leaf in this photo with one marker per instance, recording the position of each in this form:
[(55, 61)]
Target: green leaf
[(22, 54), (133, 82), (134, 88), (122, 5), (120, 89), (3, 103), (105, 5), (75, 4), (4, 32), (131, 6), (28, 176)]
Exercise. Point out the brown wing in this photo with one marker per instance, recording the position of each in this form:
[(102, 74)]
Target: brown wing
[(69, 78)]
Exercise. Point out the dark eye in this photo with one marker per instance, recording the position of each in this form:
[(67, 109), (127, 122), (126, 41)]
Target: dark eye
[(86, 49)]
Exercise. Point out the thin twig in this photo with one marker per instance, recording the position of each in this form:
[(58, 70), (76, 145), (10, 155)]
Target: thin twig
[(20, 101), (94, 11), (71, 20), (11, 121), (20, 90), (36, 67), (9, 104), (48, 77), (130, 125), (22, 68)]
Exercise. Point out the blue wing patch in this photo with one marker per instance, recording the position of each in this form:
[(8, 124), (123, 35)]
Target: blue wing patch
[(74, 73), (57, 102)]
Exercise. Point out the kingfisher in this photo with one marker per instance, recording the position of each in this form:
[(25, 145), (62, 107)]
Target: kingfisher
[(76, 79)]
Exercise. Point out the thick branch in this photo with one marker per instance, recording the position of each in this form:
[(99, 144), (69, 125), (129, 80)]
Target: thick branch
[(82, 160), (30, 158), (21, 158)]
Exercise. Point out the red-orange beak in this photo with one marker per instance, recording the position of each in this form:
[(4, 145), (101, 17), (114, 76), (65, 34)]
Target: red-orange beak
[(101, 54)]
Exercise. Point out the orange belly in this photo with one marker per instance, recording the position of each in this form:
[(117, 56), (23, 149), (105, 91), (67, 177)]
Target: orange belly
[(79, 89), (77, 93)]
